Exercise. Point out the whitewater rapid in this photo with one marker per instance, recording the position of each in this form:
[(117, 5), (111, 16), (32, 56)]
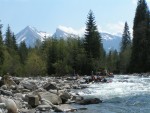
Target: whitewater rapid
[(124, 94)]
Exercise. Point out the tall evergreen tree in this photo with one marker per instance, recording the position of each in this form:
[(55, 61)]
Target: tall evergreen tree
[(14, 43), (92, 37), (92, 43), (8, 40), (126, 38), (23, 52), (1, 49), (140, 38), (125, 51)]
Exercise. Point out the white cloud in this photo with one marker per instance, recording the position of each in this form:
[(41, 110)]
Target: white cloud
[(79, 32), (134, 1), (112, 28), (115, 28)]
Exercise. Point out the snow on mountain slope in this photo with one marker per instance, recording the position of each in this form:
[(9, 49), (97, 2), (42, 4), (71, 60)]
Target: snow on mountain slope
[(30, 35), (62, 34), (109, 41)]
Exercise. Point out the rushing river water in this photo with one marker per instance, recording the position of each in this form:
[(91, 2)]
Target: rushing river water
[(125, 94)]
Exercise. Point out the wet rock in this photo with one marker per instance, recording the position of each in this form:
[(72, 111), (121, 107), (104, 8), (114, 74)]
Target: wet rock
[(65, 96), (89, 101), (53, 98)]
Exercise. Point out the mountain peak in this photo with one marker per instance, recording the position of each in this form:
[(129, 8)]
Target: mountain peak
[(62, 33), (30, 35)]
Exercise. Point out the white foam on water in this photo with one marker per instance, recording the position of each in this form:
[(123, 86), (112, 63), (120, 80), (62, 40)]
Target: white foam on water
[(121, 86)]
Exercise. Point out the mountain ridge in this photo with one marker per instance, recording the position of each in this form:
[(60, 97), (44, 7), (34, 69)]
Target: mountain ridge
[(30, 35)]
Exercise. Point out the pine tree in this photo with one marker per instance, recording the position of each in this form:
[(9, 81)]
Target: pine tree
[(14, 44), (8, 40), (126, 39), (125, 52), (140, 38), (1, 49), (92, 37), (23, 52), (92, 43)]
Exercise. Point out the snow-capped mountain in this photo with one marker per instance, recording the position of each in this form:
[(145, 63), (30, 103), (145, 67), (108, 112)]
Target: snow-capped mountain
[(110, 42), (30, 35), (62, 34)]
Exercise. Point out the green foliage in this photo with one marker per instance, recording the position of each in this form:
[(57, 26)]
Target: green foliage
[(125, 52), (140, 47), (126, 39), (11, 63), (112, 61), (1, 50), (35, 65), (92, 44), (92, 37), (23, 52)]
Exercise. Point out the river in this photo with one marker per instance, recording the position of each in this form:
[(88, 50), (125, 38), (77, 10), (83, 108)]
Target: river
[(125, 94)]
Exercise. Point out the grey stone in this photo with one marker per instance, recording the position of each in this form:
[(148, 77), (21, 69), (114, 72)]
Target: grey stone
[(53, 98), (89, 101), (10, 104), (44, 107), (49, 86), (64, 108), (65, 96), (4, 87), (33, 101)]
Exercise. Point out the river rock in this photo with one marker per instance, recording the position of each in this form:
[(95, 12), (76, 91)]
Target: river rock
[(6, 92), (64, 108), (49, 86), (89, 101), (53, 98), (10, 104), (4, 87), (44, 108), (65, 96), (29, 85), (33, 101)]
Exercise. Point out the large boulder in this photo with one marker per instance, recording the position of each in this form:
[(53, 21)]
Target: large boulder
[(10, 104), (65, 96), (30, 85), (33, 101), (53, 98)]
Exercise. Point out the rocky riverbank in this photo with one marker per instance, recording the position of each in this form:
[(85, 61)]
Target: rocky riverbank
[(41, 94)]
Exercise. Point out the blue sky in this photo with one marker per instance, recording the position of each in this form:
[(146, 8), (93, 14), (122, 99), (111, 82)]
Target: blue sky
[(47, 15)]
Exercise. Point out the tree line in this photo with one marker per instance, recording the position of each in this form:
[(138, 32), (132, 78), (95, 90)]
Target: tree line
[(82, 55)]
